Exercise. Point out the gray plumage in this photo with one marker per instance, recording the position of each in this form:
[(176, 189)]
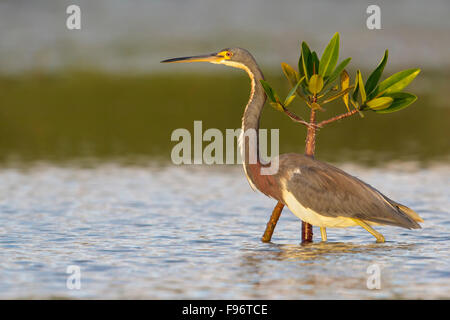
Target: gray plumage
[(332, 192)]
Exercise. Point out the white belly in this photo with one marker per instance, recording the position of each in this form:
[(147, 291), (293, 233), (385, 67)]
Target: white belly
[(311, 217)]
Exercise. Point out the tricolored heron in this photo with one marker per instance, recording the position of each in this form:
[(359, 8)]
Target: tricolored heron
[(316, 192)]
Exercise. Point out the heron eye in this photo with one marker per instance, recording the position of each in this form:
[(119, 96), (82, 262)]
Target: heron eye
[(229, 54)]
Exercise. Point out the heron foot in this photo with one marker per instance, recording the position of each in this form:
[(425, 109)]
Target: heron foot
[(377, 235), (323, 233)]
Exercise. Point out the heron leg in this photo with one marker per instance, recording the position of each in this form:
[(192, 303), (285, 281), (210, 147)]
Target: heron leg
[(323, 232), (272, 222), (377, 235)]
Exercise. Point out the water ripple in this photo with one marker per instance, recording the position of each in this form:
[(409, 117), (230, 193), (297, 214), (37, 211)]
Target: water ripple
[(139, 232)]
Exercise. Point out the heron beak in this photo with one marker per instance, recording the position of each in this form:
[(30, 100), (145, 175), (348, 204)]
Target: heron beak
[(213, 58)]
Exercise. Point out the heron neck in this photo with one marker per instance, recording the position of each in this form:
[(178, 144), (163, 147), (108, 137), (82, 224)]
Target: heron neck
[(256, 102), (252, 113)]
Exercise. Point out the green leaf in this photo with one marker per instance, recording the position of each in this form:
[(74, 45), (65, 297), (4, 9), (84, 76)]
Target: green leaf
[(293, 78), (288, 100), (337, 95), (315, 63), (356, 91), (362, 91), (329, 57), (396, 82), (337, 71), (315, 84), (401, 101), (310, 65), (291, 95), (290, 74), (305, 59), (380, 103), (345, 83), (359, 88), (277, 106), (375, 76), (301, 72), (269, 91)]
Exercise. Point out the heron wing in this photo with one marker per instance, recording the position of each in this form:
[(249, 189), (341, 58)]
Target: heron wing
[(332, 192)]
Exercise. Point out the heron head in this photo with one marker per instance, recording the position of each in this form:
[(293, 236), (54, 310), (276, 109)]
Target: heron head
[(233, 57)]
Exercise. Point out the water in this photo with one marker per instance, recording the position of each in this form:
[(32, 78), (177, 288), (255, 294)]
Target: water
[(194, 232)]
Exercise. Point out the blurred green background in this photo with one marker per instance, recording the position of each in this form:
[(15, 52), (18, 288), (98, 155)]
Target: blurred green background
[(100, 93)]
